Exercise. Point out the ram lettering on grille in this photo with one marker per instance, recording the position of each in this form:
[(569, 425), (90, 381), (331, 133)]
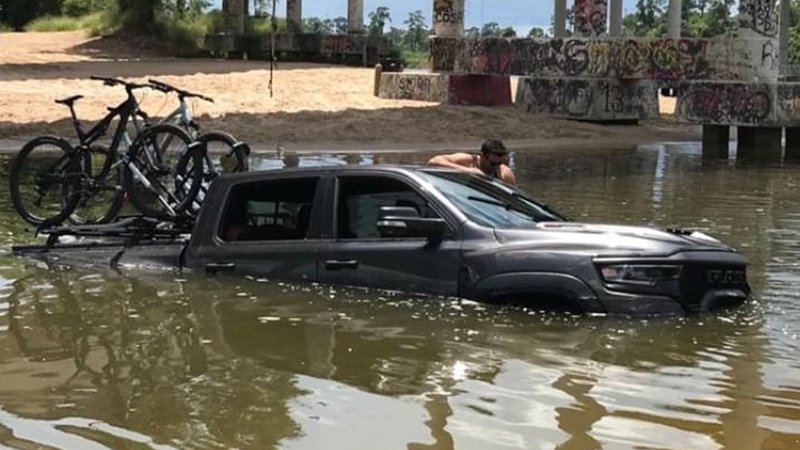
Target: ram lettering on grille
[(722, 276)]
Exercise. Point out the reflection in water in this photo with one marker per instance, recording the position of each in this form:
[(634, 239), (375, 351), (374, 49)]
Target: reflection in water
[(186, 361)]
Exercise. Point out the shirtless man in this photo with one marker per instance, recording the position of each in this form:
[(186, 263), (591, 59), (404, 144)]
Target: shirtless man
[(492, 162)]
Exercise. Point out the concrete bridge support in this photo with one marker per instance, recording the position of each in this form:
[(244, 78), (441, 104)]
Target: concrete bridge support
[(235, 16), (615, 18), (448, 18), (792, 143), (355, 16), (674, 19), (560, 19), (716, 141), (294, 16), (760, 143)]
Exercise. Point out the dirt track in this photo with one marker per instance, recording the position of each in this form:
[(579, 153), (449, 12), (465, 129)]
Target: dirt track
[(314, 106)]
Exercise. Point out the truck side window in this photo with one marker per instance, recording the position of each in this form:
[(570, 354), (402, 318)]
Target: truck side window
[(269, 211), (360, 198)]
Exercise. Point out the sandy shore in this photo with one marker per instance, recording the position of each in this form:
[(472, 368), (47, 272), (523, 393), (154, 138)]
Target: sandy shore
[(311, 107)]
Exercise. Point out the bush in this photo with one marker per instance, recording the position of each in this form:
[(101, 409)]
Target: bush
[(54, 23), (5, 28), (415, 59), (96, 24), (76, 8)]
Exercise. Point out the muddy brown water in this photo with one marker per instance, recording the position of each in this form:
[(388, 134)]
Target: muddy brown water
[(180, 360)]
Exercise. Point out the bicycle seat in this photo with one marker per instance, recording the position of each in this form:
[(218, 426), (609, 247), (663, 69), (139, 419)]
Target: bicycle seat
[(69, 100)]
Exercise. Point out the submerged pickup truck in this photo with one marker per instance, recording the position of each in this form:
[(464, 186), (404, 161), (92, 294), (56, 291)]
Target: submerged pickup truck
[(425, 230)]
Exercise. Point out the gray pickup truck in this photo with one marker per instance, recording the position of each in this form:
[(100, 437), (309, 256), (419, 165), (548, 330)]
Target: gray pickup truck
[(426, 230)]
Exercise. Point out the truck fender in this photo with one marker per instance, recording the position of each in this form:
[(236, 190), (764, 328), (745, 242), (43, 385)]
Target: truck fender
[(518, 285)]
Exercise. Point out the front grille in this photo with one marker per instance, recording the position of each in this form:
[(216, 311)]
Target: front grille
[(697, 279)]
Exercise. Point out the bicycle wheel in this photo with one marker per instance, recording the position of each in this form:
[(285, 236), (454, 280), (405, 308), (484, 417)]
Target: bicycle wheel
[(45, 181), (153, 180), (222, 154), (102, 195)]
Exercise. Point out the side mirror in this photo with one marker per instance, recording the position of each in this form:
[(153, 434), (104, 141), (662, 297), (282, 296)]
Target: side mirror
[(404, 221)]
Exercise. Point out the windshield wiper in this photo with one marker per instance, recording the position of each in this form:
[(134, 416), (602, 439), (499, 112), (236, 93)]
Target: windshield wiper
[(544, 206)]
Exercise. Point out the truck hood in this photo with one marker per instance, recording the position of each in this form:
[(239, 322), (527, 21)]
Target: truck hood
[(608, 240)]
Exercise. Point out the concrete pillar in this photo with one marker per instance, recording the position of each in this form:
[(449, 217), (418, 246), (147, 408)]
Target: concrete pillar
[(355, 16), (294, 16), (590, 18), (235, 16), (674, 19), (448, 18), (615, 18), (793, 143), (716, 141), (759, 143), (783, 38), (560, 19)]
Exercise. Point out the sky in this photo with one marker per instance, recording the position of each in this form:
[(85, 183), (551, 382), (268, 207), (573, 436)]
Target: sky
[(520, 14)]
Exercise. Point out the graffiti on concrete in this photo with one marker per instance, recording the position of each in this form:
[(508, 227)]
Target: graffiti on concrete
[(486, 56), (769, 55), (422, 87), (761, 16), (590, 17), (447, 11), (639, 58), (595, 99), (664, 59), (342, 43), (725, 103), (443, 52)]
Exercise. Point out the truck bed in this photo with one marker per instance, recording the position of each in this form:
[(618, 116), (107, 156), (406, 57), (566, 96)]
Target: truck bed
[(132, 241)]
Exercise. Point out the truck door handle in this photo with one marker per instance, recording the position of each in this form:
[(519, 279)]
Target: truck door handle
[(219, 267), (333, 264)]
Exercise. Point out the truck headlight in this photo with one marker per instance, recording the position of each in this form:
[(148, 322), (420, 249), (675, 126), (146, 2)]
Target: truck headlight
[(641, 274)]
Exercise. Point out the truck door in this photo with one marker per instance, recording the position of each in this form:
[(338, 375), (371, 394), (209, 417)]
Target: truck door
[(267, 228), (357, 254)]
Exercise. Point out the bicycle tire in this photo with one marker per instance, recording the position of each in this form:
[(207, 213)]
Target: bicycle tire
[(231, 157), (54, 171), (106, 177), (158, 153)]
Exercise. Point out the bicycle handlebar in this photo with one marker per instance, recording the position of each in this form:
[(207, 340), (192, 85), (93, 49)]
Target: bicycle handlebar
[(165, 88), (117, 82)]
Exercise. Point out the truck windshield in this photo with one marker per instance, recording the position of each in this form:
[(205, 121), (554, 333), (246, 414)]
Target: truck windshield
[(488, 202)]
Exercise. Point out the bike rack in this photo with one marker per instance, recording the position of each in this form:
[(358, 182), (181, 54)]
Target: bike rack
[(136, 229)]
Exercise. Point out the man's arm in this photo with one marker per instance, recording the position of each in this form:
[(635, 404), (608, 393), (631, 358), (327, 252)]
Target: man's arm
[(507, 175), (461, 161)]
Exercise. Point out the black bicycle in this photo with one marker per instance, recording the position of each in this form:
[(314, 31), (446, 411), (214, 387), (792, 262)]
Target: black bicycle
[(161, 169)]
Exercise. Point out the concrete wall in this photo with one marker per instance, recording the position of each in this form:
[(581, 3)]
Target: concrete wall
[(483, 90), (422, 87), (638, 58), (595, 99), (748, 104)]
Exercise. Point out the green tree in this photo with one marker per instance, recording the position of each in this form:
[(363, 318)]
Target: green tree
[(491, 29), (378, 20), (340, 25), (472, 33), (418, 31), (508, 32), (649, 19), (17, 13), (317, 26), (536, 32)]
